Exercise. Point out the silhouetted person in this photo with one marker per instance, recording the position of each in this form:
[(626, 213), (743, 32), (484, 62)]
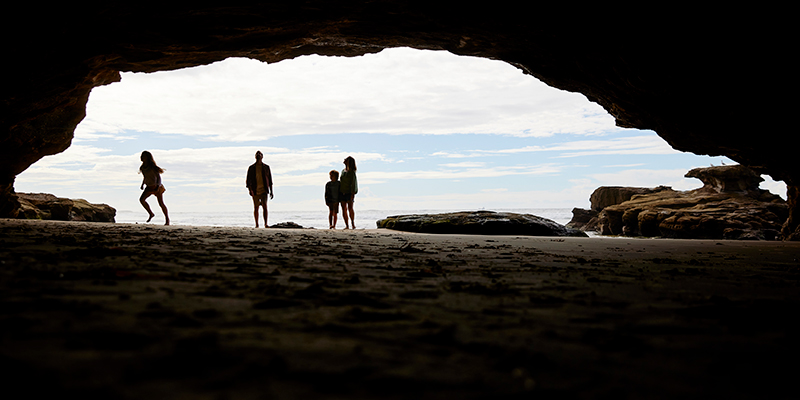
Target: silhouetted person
[(332, 198), (152, 185), (348, 187), (259, 183)]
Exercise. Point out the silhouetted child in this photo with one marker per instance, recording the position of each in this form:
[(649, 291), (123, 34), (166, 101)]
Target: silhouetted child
[(332, 199)]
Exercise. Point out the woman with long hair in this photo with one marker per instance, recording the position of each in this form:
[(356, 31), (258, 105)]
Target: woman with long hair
[(151, 183), (348, 187)]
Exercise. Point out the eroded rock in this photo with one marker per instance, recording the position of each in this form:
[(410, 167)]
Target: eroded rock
[(728, 206), (48, 206), (478, 223), (605, 196)]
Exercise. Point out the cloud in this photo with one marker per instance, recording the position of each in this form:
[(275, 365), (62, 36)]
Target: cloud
[(483, 199), (624, 165), (458, 173), (631, 145), (398, 91), (464, 165)]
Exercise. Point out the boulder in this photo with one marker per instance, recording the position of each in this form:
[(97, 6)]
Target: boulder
[(728, 206), (47, 206), (287, 225), (478, 223), (581, 218), (605, 196)]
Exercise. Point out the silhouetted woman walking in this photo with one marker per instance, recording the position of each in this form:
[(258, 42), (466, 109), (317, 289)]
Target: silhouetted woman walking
[(152, 185)]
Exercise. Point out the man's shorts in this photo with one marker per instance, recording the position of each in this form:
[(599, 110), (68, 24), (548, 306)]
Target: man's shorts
[(260, 199)]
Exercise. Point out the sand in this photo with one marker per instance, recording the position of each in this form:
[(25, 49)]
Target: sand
[(145, 311)]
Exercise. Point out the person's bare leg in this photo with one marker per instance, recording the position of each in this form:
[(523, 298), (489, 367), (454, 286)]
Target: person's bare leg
[(335, 219), (344, 215), (146, 206), (264, 204), (163, 206), (352, 215), (255, 209)]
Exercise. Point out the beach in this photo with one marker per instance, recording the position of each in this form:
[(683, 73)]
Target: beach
[(132, 311)]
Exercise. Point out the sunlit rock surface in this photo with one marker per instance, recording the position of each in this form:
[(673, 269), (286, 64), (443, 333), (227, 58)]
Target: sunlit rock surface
[(47, 206), (728, 206), (478, 223)]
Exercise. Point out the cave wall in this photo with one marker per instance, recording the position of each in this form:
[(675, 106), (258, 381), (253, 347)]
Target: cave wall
[(710, 84)]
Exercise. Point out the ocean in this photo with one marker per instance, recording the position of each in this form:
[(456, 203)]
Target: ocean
[(308, 219)]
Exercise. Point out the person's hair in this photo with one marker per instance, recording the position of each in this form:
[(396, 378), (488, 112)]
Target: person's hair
[(334, 173), (351, 163), (149, 163)]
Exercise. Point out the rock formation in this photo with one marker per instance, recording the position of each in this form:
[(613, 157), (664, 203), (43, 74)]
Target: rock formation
[(705, 83), (611, 195), (478, 223), (603, 197), (287, 225), (47, 206), (728, 206)]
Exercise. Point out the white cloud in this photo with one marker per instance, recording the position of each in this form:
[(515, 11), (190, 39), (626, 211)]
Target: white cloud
[(776, 187), (647, 178), (454, 174), (399, 91), (489, 200), (631, 145), (464, 165)]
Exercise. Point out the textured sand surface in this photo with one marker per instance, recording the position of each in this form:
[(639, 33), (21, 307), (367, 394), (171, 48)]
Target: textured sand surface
[(141, 311)]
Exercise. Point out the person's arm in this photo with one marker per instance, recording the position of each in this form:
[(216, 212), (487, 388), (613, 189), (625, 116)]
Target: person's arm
[(144, 179), (248, 179), (269, 178)]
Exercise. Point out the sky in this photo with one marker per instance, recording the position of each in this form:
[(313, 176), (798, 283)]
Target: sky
[(429, 131)]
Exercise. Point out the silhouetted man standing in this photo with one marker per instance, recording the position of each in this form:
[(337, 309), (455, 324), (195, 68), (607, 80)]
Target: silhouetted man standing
[(259, 183)]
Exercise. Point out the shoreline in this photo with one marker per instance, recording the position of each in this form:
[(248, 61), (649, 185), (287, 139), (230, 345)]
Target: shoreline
[(142, 310), (310, 218)]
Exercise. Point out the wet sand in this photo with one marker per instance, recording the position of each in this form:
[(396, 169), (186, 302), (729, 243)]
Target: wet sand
[(142, 311)]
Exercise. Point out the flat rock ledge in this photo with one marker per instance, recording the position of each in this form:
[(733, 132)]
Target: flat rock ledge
[(49, 207), (478, 223)]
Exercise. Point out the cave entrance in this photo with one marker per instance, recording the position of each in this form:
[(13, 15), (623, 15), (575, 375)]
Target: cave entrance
[(430, 131)]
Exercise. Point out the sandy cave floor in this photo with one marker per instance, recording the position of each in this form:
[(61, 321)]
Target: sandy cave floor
[(143, 311)]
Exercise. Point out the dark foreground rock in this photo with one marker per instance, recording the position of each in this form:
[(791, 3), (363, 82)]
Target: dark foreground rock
[(287, 225), (728, 206), (47, 206), (478, 223)]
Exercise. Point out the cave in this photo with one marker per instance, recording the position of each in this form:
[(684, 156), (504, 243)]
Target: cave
[(90, 312), (705, 83)]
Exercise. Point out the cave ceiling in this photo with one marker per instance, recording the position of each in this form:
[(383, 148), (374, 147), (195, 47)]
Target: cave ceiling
[(707, 84)]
